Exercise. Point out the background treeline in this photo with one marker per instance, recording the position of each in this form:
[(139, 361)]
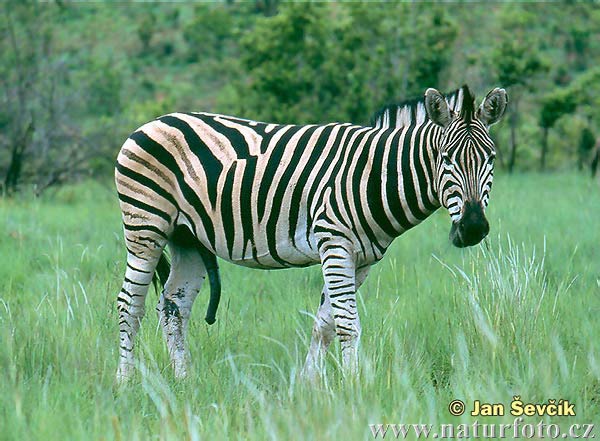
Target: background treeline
[(76, 79)]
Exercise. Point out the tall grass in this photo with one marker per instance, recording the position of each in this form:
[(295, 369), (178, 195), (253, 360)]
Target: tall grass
[(517, 315)]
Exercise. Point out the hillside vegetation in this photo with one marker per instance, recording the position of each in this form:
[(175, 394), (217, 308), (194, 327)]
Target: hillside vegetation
[(77, 78)]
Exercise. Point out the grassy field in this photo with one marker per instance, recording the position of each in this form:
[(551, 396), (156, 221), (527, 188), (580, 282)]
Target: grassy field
[(518, 315)]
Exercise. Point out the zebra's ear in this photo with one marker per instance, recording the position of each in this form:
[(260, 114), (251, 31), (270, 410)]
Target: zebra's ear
[(437, 108), (493, 106)]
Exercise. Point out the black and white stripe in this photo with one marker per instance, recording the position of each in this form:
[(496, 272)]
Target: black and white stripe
[(277, 196)]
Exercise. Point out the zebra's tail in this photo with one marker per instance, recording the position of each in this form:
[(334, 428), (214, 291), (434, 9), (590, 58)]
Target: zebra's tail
[(214, 278), (163, 268)]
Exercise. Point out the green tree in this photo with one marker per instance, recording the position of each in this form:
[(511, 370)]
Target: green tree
[(47, 97), (516, 62), (583, 93), (284, 57), (30, 100), (578, 32), (587, 141), (145, 29), (321, 62), (554, 105), (104, 82), (207, 33), (428, 44)]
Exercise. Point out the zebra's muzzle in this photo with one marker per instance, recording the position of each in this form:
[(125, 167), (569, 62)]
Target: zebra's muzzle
[(471, 228)]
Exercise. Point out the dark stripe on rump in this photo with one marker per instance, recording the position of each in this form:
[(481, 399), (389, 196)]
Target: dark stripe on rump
[(146, 182), (210, 163), (143, 206), (233, 135), (156, 150)]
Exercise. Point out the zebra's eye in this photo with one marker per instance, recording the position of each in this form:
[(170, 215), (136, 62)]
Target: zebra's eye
[(446, 159), (491, 158)]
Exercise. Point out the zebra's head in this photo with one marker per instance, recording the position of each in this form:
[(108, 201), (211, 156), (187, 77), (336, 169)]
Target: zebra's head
[(465, 160)]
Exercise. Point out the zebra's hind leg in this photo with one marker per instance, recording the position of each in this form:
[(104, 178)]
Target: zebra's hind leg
[(324, 330), (142, 257), (175, 304)]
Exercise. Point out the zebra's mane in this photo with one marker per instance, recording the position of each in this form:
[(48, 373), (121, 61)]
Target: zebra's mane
[(412, 111)]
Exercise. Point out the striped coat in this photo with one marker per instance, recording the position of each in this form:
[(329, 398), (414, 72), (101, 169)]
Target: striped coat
[(276, 196)]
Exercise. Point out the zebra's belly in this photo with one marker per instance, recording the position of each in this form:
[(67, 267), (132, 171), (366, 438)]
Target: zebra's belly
[(268, 264), (283, 252), (289, 259)]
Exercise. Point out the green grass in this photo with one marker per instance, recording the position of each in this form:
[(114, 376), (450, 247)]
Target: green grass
[(515, 316)]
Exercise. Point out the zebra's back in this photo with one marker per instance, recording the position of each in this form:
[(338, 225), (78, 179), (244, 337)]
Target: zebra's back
[(249, 191)]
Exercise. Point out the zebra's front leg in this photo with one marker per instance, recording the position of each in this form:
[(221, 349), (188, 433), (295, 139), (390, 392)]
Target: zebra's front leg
[(339, 273), (324, 330), (322, 335)]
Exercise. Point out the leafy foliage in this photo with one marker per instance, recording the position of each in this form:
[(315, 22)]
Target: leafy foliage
[(555, 105), (76, 78), (206, 34)]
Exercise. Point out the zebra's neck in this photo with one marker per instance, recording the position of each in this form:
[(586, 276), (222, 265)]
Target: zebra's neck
[(412, 111), (403, 178)]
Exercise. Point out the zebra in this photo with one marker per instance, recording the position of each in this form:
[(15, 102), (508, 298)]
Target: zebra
[(271, 196)]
